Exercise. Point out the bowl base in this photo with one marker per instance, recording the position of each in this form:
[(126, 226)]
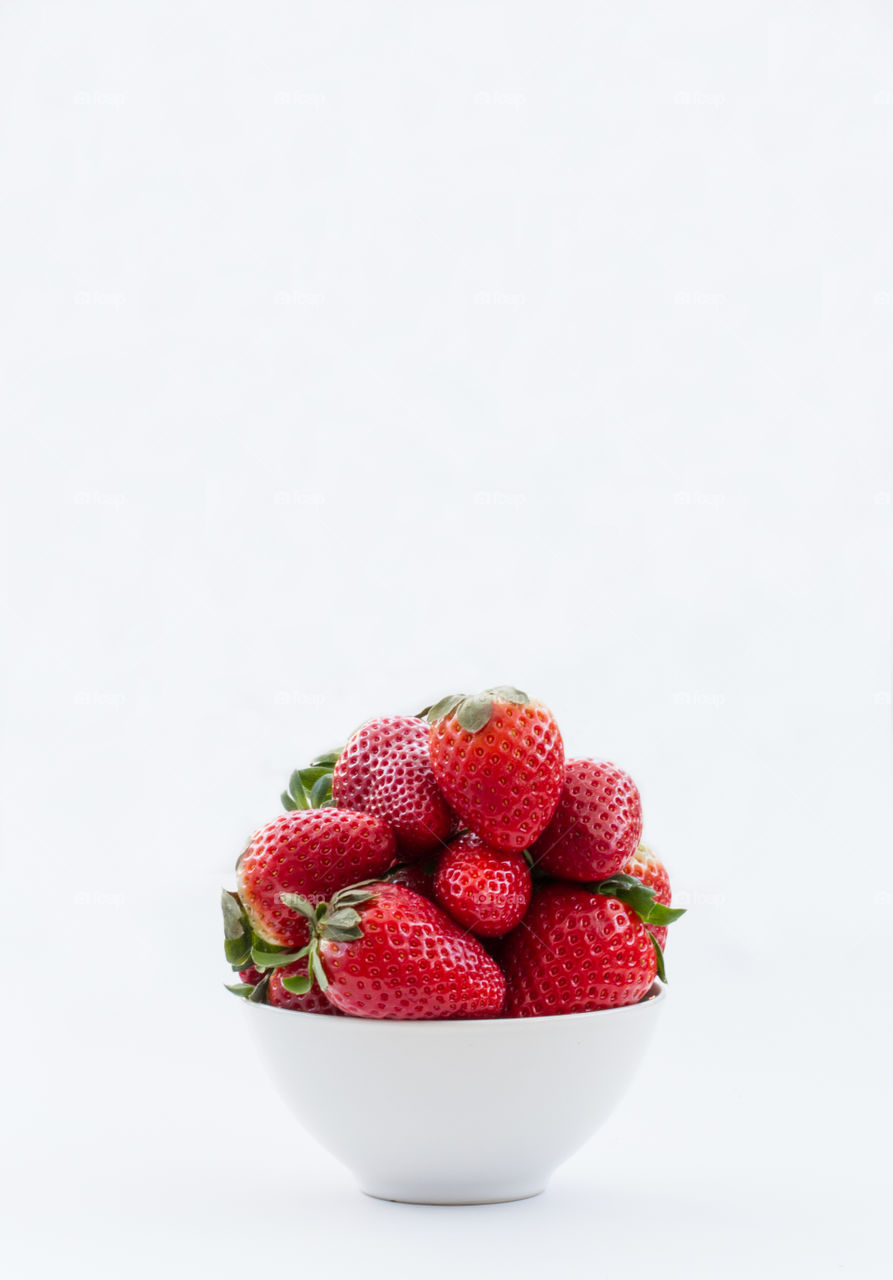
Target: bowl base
[(467, 1198)]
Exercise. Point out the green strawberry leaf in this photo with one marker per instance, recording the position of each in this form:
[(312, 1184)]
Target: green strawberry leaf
[(287, 803), (508, 693), (328, 759), (321, 790), (259, 993), (274, 958), (640, 897), (444, 707), (658, 951), (295, 902), (297, 792), (238, 951), (317, 971), (243, 989), (474, 713), (352, 897), (298, 983), (344, 918), (233, 915), (310, 774)]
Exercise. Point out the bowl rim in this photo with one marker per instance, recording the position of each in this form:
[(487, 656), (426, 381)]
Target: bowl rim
[(444, 1026)]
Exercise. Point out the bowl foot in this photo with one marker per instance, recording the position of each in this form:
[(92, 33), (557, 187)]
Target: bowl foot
[(451, 1199)]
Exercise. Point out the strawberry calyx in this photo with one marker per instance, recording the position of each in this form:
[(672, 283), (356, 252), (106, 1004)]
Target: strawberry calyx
[(243, 947), (474, 711), (311, 788), (642, 900), (335, 921)]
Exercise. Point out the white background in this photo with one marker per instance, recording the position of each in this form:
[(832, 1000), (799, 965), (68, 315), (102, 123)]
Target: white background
[(358, 353)]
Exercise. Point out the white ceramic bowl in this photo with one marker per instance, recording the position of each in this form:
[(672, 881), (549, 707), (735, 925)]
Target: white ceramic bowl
[(454, 1112)]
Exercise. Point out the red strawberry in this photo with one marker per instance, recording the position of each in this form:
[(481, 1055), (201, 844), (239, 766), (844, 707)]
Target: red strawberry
[(312, 852), (499, 760), (416, 876), (251, 976), (312, 1001), (484, 890), (596, 826), (382, 951), (384, 770), (645, 866), (575, 951)]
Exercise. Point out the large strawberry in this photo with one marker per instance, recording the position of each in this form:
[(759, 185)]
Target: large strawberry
[(483, 889), (581, 948), (647, 867), (381, 951), (384, 770), (312, 852), (498, 758), (596, 826)]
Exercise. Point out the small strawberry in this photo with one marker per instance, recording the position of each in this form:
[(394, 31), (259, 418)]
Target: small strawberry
[(596, 826), (312, 1001), (484, 890), (251, 976), (418, 876), (384, 770), (312, 852), (645, 866), (498, 758), (581, 948), (381, 951)]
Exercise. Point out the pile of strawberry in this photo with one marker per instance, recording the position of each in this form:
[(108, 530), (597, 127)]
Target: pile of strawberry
[(451, 865)]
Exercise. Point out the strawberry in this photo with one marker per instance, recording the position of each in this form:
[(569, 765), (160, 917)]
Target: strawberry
[(645, 866), (584, 947), (312, 1001), (251, 976), (498, 758), (418, 876), (484, 890), (381, 951), (384, 770), (576, 951), (596, 826), (312, 852)]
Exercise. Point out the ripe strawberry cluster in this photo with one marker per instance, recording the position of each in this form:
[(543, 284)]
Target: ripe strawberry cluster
[(451, 865)]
